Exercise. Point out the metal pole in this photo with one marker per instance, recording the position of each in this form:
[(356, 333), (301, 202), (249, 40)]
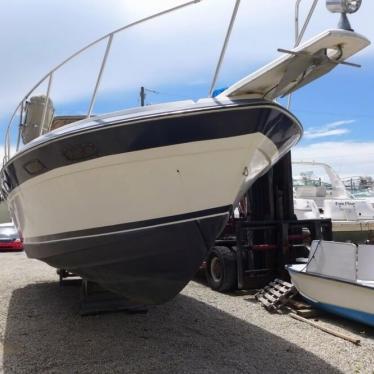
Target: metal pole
[(92, 103), (170, 10), (20, 125), (299, 35), (7, 134), (289, 102), (46, 103), (306, 23), (224, 47), (297, 13), (142, 96), (132, 24)]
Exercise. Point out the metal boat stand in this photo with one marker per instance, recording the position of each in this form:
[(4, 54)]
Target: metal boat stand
[(96, 300), (63, 274)]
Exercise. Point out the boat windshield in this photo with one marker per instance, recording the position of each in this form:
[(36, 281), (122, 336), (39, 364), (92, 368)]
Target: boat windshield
[(307, 176), (314, 179), (360, 187)]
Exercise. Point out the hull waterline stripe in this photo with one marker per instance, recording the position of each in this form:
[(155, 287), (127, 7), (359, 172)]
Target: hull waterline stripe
[(128, 227), (124, 231)]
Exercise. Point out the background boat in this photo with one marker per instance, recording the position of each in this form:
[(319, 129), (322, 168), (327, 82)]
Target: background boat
[(319, 192), (338, 278)]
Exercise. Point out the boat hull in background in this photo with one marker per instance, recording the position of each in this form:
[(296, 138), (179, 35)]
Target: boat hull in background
[(133, 201), (347, 299)]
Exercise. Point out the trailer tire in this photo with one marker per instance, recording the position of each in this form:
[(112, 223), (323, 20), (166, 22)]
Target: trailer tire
[(220, 271)]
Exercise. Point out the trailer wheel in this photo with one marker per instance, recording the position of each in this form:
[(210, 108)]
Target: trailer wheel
[(221, 269)]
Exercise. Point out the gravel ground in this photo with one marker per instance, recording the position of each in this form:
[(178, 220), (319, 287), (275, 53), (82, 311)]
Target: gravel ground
[(200, 331)]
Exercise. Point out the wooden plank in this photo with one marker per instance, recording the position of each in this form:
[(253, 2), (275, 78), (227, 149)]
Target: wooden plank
[(281, 288), (308, 313), (284, 283), (270, 298), (326, 329), (265, 302), (275, 293), (298, 304)]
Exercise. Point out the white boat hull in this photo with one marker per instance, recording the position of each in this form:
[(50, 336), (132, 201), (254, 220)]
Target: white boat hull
[(139, 186), (354, 301)]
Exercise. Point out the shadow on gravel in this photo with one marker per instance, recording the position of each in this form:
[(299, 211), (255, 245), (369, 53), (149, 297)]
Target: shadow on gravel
[(201, 279), (44, 333)]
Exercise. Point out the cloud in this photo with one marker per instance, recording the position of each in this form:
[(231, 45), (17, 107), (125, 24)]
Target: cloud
[(178, 50), (335, 124), (347, 158), (165, 50), (324, 133), (330, 129), (2, 153)]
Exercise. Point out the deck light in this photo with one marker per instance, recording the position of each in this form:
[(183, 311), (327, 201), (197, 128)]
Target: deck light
[(343, 6), (334, 53)]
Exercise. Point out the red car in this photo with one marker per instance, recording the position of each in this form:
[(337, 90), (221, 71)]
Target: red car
[(9, 238)]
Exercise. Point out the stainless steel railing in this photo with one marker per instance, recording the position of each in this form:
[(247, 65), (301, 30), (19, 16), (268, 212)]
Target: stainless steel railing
[(300, 33), (49, 76), (109, 38)]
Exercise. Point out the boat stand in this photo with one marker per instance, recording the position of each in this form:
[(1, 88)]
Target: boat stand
[(63, 274), (95, 300)]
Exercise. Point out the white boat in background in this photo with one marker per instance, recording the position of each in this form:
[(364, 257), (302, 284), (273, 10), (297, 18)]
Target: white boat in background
[(320, 193), (338, 278), (361, 188)]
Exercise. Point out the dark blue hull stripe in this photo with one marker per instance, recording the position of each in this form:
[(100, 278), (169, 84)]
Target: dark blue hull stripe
[(110, 139)]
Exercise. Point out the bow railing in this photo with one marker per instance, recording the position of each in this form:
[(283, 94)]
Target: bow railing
[(48, 78)]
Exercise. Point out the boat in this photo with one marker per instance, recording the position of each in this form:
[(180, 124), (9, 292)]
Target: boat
[(134, 199), (361, 188), (338, 278), (320, 193)]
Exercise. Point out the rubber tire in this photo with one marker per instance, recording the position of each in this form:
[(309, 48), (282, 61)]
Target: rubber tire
[(227, 260)]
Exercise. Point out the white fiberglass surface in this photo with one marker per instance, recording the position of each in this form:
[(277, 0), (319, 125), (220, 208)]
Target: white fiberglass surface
[(333, 259), (365, 263), (181, 177)]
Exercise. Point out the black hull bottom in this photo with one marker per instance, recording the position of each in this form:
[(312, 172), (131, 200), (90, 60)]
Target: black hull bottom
[(148, 266)]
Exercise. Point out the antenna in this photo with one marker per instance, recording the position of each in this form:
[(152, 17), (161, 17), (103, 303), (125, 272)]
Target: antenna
[(143, 94)]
